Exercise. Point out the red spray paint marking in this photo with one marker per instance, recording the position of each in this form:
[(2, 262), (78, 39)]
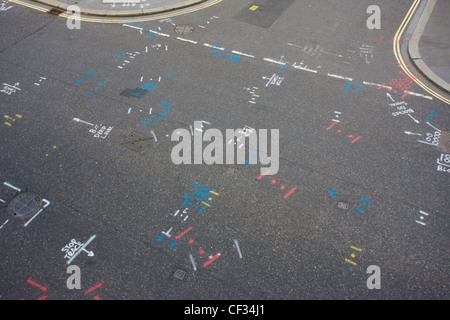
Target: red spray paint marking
[(183, 233), (93, 288), (263, 175), (334, 123), (211, 260), (37, 285), (357, 138), (290, 192), (42, 298)]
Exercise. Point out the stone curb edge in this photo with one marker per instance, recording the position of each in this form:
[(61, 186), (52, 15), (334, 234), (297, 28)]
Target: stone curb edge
[(414, 52), (121, 13)]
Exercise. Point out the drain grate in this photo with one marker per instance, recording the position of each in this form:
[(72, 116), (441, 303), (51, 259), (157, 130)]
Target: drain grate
[(183, 29), (136, 140), (444, 141), (343, 205), (55, 11), (179, 274), (24, 205)]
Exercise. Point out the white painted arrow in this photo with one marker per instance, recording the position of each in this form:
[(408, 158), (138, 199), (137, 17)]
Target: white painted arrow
[(412, 133), (416, 121), (90, 253), (390, 97), (79, 120)]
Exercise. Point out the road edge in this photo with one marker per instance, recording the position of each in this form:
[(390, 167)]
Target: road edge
[(121, 13), (414, 51)]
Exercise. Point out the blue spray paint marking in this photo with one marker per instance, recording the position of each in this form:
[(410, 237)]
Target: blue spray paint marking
[(363, 204)]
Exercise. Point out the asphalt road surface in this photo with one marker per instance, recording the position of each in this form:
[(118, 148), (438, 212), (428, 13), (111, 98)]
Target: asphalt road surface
[(87, 177)]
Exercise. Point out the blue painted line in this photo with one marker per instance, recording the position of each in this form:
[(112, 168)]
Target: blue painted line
[(359, 210), (202, 199), (159, 239), (144, 122), (173, 243)]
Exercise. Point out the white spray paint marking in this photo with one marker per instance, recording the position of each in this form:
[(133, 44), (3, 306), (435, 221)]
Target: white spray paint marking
[(78, 120), (237, 248), (194, 265), (11, 186), (242, 54), (81, 249)]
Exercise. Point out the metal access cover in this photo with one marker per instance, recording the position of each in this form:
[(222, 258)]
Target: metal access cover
[(24, 205), (55, 12), (444, 141), (179, 274), (183, 29), (136, 141), (343, 205)]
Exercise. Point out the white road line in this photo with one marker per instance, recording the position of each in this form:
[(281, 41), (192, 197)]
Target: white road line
[(242, 54), (339, 77), (127, 25), (211, 46), (274, 61), (305, 69), (187, 40), (160, 33)]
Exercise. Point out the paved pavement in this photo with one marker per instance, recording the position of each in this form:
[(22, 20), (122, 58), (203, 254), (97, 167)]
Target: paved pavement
[(377, 199), (429, 47)]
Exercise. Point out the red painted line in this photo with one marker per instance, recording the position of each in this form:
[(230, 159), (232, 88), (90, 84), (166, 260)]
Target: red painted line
[(289, 193), (381, 86), (42, 298), (183, 233), (93, 288), (334, 123), (263, 175), (211, 260), (359, 137), (37, 285)]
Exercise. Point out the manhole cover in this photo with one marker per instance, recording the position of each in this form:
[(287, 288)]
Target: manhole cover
[(24, 205), (183, 29), (179, 274), (343, 205), (136, 141), (444, 141)]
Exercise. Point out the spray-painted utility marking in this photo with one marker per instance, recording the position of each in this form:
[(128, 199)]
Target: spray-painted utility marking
[(236, 244), (81, 249), (11, 186), (37, 213), (339, 77)]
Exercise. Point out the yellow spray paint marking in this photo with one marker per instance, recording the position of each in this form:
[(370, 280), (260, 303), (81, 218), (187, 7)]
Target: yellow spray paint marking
[(253, 8), (355, 248), (349, 261), (8, 124)]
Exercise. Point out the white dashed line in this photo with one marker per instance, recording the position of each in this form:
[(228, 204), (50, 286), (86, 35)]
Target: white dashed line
[(187, 40), (339, 77), (242, 54)]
